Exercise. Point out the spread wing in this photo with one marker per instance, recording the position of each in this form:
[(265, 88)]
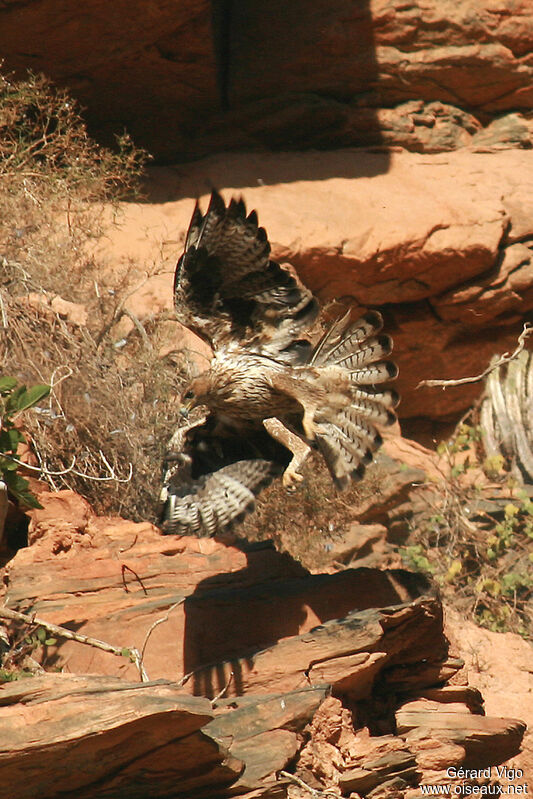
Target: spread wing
[(228, 290), (213, 474)]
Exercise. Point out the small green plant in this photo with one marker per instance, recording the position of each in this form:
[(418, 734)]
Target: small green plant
[(14, 399), (415, 558), (40, 638), (17, 662), (11, 676), (476, 536)]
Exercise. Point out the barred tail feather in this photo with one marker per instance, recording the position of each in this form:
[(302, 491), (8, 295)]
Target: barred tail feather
[(357, 430), (386, 397), (346, 433), (322, 349), (367, 408), (374, 373), (343, 339), (347, 448), (373, 350), (342, 464)]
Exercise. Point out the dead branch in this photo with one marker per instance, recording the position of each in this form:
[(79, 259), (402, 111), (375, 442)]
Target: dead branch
[(301, 784), (156, 623), (71, 470), (3, 313), (63, 632), (221, 693), (128, 568), (3, 506), (119, 310), (130, 546), (505, 358)]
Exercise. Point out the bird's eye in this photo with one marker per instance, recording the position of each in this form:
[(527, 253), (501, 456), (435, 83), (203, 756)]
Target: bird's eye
[(189, 395)]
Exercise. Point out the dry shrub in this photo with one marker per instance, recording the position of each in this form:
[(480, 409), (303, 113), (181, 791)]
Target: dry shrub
[(53, 182), (309, 523), (108, 417), (109, 407)]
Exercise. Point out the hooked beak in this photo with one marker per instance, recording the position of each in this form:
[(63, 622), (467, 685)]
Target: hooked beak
[(184, 411)]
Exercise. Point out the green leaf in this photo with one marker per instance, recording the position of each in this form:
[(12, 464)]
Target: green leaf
[(8, 466), (12, 401), (18, 486), (29, 499), (41, 634), (7, 384), (10, 439), (126, 653), (50, 642), (31, 396)]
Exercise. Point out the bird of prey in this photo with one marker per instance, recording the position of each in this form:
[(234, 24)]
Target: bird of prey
[(270, 394)]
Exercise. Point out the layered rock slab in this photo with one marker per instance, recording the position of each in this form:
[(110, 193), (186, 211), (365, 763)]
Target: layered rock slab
[(112, 579), (374, 638), (116, 738)]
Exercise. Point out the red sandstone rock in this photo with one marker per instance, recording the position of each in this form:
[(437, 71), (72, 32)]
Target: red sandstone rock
[(63, 519), (116, 578), (70, 732), (265, 625), (115, 738), (196, 78), (500, 666)]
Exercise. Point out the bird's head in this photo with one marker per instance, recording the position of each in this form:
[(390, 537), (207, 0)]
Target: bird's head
[(195, 393)]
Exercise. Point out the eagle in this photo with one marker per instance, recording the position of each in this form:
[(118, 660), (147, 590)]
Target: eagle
[(270, 395)]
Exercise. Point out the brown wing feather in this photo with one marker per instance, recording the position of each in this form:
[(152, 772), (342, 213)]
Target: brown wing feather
[(216, 501), (213, 474), (227, 289)]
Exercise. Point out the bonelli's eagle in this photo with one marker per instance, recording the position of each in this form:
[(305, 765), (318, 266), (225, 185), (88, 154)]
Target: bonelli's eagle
[(269, 395)]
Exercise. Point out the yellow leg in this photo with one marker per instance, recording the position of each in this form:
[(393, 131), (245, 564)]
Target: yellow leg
[(299, 449), (308, 424)]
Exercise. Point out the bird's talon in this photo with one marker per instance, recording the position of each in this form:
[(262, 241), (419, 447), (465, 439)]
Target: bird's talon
[(291, 479)]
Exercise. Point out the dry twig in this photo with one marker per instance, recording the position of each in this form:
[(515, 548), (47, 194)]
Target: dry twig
[(157, 622), (63, 632), (128, 568), (3, 313), (71, 470), (505, 358), (221, 693), (301, 784)]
